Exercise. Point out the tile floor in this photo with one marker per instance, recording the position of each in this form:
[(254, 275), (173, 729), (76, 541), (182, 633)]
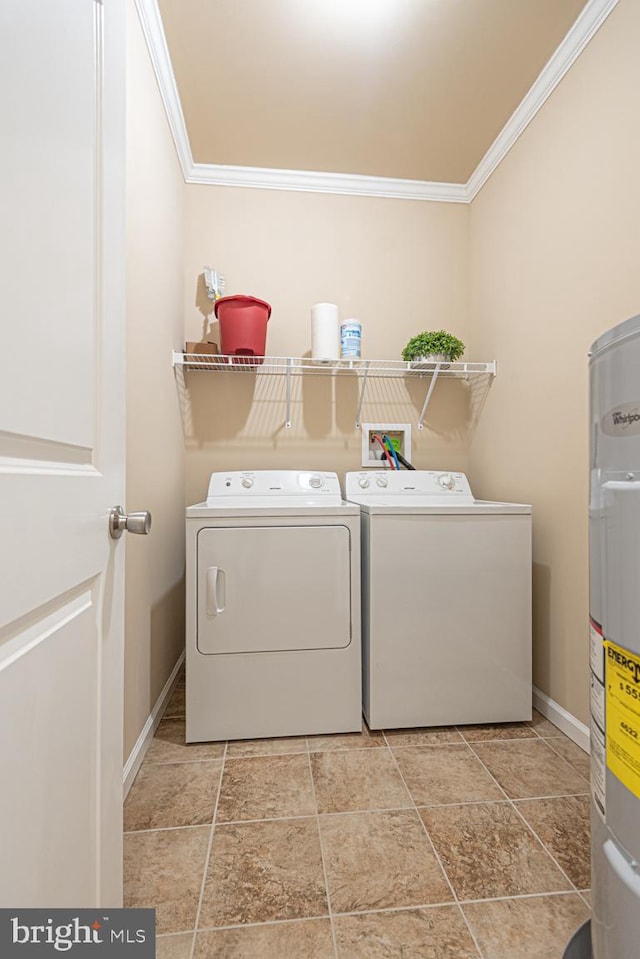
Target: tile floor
[(457, 843)]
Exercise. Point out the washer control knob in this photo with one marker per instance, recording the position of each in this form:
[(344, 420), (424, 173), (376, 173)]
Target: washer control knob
[(316, 481), (447, 481), (382, 481), (363, 482), (247, 482)]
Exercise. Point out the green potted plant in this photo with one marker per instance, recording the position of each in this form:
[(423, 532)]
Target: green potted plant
[(433, 347)]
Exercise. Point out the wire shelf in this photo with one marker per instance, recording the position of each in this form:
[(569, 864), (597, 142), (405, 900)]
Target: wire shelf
[(207, 362), (364, 370)]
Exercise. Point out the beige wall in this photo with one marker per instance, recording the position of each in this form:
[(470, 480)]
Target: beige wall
[(543, 261), (400, 267), (553, 263), (154, 610)]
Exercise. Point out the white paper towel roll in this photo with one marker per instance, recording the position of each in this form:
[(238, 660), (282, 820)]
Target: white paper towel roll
[(325, 332)]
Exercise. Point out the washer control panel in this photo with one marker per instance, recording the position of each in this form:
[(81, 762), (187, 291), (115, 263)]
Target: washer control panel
[(440, 485), (249, 483), (447, 481)]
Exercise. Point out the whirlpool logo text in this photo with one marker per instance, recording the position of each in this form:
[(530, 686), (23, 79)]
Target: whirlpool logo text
[(623, 419)]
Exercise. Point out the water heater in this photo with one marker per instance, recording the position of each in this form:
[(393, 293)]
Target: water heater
[(614, 606)]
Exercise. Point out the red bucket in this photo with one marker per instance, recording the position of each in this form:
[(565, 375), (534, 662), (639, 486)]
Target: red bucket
[(243, 326)]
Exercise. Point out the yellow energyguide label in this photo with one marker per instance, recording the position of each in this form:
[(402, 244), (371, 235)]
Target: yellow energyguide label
[(622, 682)]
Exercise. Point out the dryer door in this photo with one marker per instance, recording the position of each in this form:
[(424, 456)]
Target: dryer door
[(268, 588)]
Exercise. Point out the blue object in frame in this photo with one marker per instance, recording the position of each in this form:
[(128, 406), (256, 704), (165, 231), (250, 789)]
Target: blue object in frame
[(391, 448)]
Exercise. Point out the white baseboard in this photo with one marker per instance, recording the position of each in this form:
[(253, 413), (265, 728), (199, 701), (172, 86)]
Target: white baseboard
[(137, 754), (559, 716)]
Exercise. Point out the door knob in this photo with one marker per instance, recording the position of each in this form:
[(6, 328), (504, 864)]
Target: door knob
[(119, 521)]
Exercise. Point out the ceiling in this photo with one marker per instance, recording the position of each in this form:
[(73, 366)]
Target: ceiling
[(411, 89)]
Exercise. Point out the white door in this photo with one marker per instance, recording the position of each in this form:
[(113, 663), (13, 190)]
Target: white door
[(61, 450)]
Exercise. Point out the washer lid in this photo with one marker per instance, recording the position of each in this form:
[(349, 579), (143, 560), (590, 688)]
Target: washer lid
[(418, 507)]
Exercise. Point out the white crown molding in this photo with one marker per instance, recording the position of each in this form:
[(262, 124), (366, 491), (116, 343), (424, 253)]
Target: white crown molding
[(588, 23), (153, 30), (590, 20), (341, 183)]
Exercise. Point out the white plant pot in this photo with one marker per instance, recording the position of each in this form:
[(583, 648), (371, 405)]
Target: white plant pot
[(428, 362)]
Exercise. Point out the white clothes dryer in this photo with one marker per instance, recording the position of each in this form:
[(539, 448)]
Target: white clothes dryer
[(446, 601), (273, 608)]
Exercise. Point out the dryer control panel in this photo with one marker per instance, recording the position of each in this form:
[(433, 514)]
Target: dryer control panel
[(274, 483)]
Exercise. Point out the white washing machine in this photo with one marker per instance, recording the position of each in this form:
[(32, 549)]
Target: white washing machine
[(273, 608), (446, 601)]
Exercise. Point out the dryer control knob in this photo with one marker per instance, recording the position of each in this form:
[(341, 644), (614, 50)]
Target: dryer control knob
[(363, 482), (247, 482), (447, 481), (316, 482), (382, 481)]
